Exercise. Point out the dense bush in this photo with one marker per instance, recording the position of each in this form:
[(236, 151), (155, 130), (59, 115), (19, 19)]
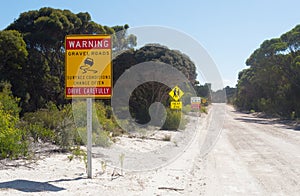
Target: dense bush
[(52, 124), (174, 121), (104, 126), (186, 109), (38, 132), (12, 142), (271, 83), (9, 103)]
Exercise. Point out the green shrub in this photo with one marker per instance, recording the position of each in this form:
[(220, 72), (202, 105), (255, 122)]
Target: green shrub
[(293, 115), (83, 134), (50, 117), (39, 132), (53, 125), (103, 123), (78, 153), (13, 141), (174, 120), (12, 144), (101, 138), (9, 102), (80, 116), (186, 109), (57, 125), (67, 133), (106, 119), (203, 109)]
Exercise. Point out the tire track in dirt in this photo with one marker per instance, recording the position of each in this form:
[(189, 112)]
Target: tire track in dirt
[(252, 157), (272, 159)]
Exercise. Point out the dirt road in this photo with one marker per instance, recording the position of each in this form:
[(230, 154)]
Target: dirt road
[(253, 156)]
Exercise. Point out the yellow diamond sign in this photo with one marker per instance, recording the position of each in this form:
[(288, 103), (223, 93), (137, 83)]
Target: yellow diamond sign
[(176, 93)]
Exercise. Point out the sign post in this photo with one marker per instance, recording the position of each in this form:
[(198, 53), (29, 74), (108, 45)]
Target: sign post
[(89, 114), (88, 74)]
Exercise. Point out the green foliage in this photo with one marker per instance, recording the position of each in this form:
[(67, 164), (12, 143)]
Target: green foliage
[(121, 40), (44, 31), (52, 125), (77, 152), (252, 111), (272, 82), (9, 102), (186, 109), (150, 92), (47, 117), (34, 63), (104, 116), (230, 94), (39, 132), (293, 115), (12, 144), (203, 109), (13, 57), (203, 90), (145, 95), (157, 53), (104, 126), (101, 138), (174, 120), (13, 141)]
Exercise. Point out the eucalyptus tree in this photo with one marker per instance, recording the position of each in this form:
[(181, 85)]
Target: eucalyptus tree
[(44, 32), (271, 83)]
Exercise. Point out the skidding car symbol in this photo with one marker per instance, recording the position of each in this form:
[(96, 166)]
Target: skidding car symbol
[(88, 63)]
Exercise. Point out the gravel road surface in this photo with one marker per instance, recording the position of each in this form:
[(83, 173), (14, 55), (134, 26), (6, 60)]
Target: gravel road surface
[(250, 156), (253, 156)]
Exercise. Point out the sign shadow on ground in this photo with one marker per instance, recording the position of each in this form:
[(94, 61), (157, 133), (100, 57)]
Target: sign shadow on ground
[(33, 186)]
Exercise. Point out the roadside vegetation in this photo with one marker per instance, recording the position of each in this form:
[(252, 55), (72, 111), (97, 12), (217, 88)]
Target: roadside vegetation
[(33, 109), (271, 83)]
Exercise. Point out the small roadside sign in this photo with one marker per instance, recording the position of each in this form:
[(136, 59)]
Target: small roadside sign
[(176, 105), (195, 102), (176, 93)]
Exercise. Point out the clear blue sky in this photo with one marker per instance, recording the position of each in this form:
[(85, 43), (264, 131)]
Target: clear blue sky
[(229, 30)]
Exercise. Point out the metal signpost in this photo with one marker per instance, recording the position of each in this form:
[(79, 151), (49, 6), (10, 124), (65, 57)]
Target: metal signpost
[(89, 122), (88, 74)]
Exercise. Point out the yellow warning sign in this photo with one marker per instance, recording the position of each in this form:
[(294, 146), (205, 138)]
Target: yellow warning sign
[(177, 105), (176, 93), (88, 69)]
